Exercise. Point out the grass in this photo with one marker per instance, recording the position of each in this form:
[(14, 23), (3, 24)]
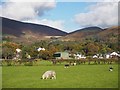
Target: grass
[(0, 77), (80, 76)]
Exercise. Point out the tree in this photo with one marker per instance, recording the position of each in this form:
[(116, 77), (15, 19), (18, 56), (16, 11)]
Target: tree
[(8, 49), (91, 49)]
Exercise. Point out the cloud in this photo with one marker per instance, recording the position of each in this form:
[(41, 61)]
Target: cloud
[(102, 14), (25, 10), (55, 24), (30, 11)]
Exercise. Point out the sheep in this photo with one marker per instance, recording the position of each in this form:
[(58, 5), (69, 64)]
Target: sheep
[(73, 64), (66, 65), (49, 75), (110, 68)]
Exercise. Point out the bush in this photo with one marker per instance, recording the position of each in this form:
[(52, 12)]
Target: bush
[(30, 63), (9, 64)]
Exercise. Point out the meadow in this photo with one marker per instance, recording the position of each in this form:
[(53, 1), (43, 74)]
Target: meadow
[(79, 76)]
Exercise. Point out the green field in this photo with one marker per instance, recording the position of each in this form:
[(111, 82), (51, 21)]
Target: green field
[(80, 76)]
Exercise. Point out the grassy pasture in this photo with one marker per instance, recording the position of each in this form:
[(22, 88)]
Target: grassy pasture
[(80, 76)]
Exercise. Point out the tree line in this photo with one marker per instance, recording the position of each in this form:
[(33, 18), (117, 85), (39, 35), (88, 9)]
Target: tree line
[(87, 48)]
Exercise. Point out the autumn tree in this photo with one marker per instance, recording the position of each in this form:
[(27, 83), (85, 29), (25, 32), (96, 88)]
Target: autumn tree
[(91, 49), (8, 49)]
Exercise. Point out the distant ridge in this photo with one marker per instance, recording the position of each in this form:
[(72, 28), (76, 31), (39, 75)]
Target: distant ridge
[(18, 28), (88, 29), (28, 32), (83, 33)]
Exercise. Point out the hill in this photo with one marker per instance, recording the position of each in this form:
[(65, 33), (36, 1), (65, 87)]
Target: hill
[(109, 34), (20, 30), (95, 34), (83, 33), (27, 32)]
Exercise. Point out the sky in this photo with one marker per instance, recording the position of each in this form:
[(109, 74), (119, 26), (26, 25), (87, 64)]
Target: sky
[(66, 15)]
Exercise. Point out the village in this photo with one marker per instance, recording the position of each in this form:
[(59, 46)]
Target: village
[(59, 44), (59, 57)]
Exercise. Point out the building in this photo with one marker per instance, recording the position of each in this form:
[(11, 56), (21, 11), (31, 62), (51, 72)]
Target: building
[(79, 56), (114, 54), (62, 55)]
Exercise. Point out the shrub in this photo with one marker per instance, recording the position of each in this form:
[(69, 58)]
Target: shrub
[(30, 63)]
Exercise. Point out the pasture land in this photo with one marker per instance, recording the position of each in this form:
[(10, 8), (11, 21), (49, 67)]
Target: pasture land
[(0, 77), (80, 76)]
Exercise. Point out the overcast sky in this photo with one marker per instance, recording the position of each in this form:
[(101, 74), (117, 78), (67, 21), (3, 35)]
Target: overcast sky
[(67, 16)]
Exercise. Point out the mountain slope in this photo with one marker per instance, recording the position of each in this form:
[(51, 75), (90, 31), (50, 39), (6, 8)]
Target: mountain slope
[(109, 34), (109, 31), (27, 32), (18, 28), (95, 33), (83, 33)]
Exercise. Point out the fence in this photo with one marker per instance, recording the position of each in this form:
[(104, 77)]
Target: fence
[(87, 61), (31, 62)]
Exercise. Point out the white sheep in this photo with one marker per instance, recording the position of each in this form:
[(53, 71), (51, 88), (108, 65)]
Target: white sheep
[(49, 74)]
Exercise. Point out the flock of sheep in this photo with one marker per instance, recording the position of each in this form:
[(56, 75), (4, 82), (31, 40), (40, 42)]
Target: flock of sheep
[(51, 74)]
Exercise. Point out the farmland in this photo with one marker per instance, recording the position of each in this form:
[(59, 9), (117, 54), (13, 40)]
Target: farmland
[(49, 36), (80, 76)]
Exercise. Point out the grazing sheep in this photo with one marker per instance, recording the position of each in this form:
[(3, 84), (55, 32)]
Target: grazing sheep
[(73, 64), (49, 74), (66, 65), (110, 68)]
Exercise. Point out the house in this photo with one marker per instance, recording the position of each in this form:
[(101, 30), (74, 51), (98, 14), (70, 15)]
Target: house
[(100, 56), (18, 50), (95, 56), (79, 56), (107, 56), (114, 54), (40, 49), (62, 55)]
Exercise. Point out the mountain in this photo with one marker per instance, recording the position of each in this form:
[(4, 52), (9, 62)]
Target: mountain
[(15, 29), (83, 33), (27, 32), (109, 34), (109, 31), (94, 33)]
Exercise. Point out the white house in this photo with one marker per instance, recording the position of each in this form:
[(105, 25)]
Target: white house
[(95, 56), (114, 54), (100, 57), (83, 57), (107, 56), (40, 49), (18, 50), (79, 56)]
